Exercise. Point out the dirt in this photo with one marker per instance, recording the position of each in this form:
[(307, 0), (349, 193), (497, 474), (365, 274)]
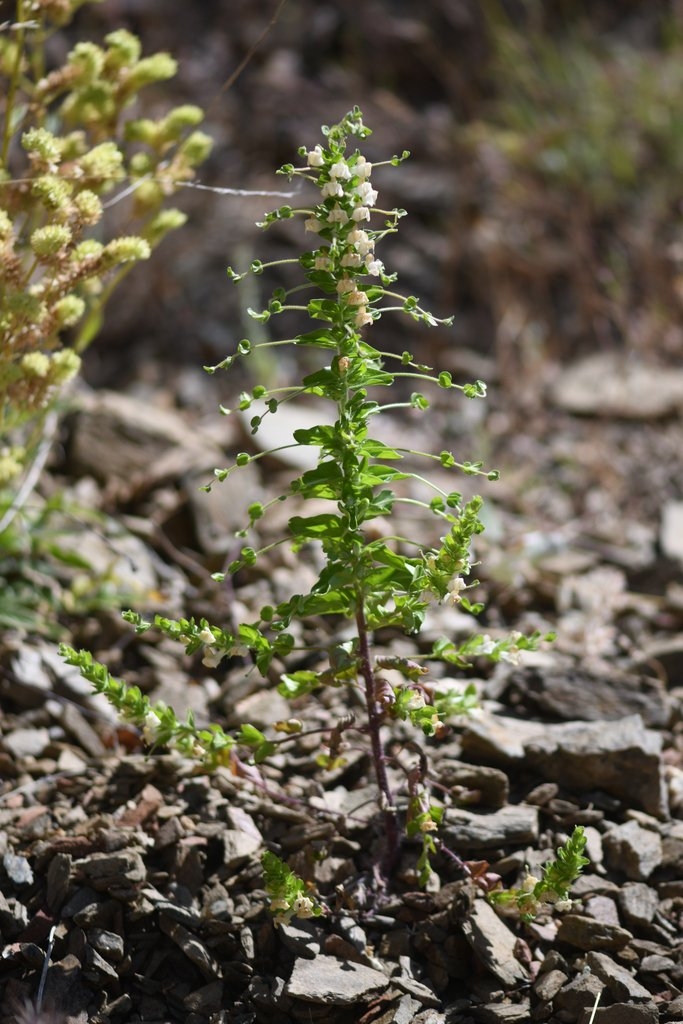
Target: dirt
[(130, 887)]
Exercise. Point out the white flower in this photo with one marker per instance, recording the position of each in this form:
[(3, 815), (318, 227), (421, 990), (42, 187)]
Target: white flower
[(351, 259), (368, 195), (529, 883), (361, 241), (206, 636), (374, 267), (362, 169), (564, 905), (415, 702), (212, 657), (313, 224), (150, 729), (362, 317), (316, 157), (322, 263), (453, 590), (346, 285), (337, 215), (331, 188), (303, 907), (340, 170), (279, 903), (513, 655), (356, 298), (360, 213), (487, 645)]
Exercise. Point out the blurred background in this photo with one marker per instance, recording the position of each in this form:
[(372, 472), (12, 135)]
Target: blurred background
[(544, 187)]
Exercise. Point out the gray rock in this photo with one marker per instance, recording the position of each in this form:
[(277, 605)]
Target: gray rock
[(117, 437), (97, 970), (425, 995), (633, 850), (655, 963), (104, 871), (621, 757), (238, 847), (303, 938), (108, 944), (491, 783), (205, 1000), (576, 694), (604, 384), (549, 984), (577, 995), (17, 868), (467, 830), (603, 909), (586, 933), (675, 1009), (620, 983), (333, 982), (502, 1013), (58, 877), (623, 1013), (65, 988), (193, 948), (671, 532), (22, 743), (76, 725), (405, 1011), (638, 903), (13, 917), (494, 944)]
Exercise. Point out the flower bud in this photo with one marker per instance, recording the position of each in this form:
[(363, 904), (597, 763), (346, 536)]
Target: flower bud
[(42, 146), (69, 310), (64, 365), (124, 48), (197, 148), (127, 249), (89, 206), (315, 158), (49, 241), (157, 68), (35, 364)]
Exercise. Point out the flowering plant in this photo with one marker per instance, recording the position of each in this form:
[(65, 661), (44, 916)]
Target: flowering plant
[(66, 141), (369, 576)]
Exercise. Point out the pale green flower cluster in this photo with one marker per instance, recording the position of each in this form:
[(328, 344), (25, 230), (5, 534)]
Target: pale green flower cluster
[(56, 276), (351, 248)]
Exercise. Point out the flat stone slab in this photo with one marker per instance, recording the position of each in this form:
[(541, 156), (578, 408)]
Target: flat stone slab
[(620, 757), (633, 850), (494, 944), (516, 823), (335, 982)]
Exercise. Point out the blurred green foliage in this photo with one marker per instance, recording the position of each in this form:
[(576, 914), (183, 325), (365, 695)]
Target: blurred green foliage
[(575, 162)]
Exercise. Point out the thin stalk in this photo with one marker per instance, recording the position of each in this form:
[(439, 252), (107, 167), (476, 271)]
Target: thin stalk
[(391, 848), (13, 86)]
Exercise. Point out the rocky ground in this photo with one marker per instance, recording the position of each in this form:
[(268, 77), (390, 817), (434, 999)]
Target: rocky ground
[(140, 878), (136, 878)]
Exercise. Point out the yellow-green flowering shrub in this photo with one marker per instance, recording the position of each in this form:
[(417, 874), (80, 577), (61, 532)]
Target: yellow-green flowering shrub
[(68, 139)]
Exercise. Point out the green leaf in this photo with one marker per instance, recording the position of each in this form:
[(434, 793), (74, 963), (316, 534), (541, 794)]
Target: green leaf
[(321, 436), (323, 309), (264, 751), (251, 736), (298, 684), (378, 450), (322, 338), (315, 527)]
